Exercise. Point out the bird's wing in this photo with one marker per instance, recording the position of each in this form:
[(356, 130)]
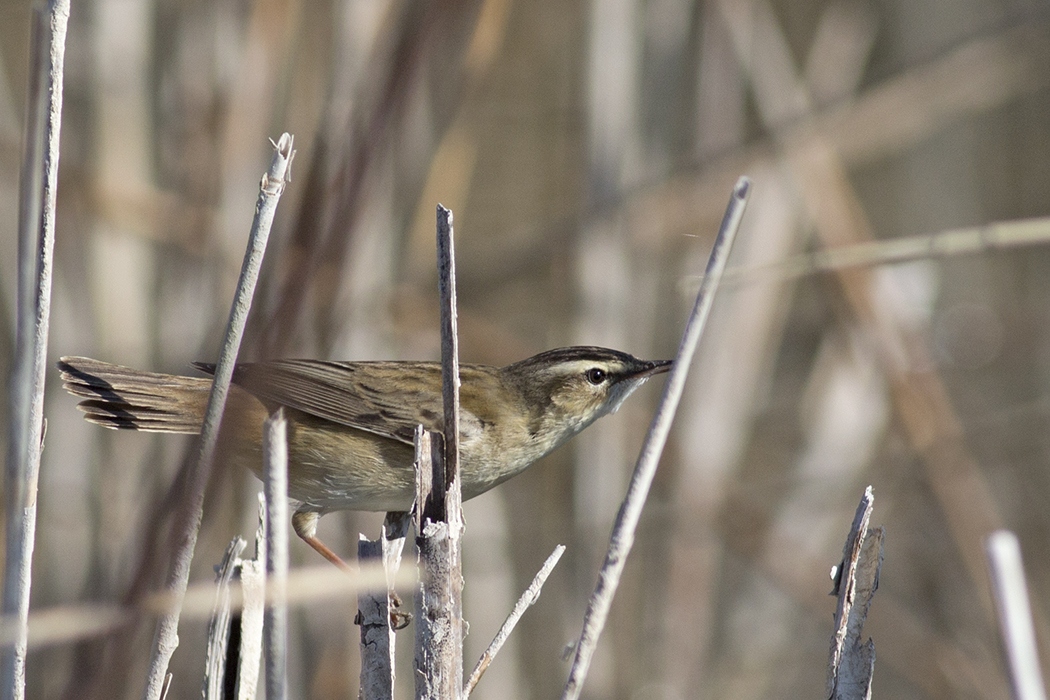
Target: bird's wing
[(354, 394)]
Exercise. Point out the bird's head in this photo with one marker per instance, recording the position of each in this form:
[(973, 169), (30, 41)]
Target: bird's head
[(567, 389)]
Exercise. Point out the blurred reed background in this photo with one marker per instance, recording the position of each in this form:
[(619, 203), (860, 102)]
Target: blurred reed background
[(587, 151)]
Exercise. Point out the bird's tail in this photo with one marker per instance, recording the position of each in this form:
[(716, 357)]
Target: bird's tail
[(120, 397)]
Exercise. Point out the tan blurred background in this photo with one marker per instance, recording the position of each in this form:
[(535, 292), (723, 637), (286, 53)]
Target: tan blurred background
[(587, 151)]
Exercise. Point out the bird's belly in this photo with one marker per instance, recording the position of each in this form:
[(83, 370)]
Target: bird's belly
[(334, 467), (351, 470)]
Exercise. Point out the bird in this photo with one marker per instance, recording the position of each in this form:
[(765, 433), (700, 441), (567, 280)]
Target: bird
[(351, 424)]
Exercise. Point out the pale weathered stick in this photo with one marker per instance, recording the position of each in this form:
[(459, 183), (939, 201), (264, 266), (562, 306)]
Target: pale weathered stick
[(439, 618), (1015, 615), (851, 663), (439, 605), (275, 618), (36, 238), (446, 258), (645, 469), (188, 517), (434, 624), (253, 611), (377, 636), (378, 609), (528, 598), (219, 625)]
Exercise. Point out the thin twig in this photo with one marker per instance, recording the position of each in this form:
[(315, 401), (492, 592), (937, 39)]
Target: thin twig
[(527, 599), (36, 239), (275, 618), (1015, 615), (187, 520), (645, 469)]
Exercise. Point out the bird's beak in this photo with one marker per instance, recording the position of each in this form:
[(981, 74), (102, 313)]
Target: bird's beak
[(653, 368)]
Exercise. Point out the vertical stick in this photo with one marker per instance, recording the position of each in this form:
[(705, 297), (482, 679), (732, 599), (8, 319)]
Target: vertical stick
[(851, 662), (36, 238), (645, 469), (439, 635), (253, 611), (439, 628), (275, 618), (188, 518), (377, 642), (446, 255), (379, 610)]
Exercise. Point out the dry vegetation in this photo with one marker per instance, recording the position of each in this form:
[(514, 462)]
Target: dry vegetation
[(587, 151)]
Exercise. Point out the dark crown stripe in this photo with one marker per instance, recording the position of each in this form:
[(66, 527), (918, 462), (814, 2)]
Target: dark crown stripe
[(583, 353)]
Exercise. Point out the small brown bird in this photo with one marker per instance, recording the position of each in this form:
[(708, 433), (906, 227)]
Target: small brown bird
[(351, 424)]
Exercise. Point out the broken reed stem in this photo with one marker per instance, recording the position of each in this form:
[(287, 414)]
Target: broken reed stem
[(378, 610), (221, 618), (851, 662), (36, 239), (645, 469), (439, 615), (275, 617), (453, 506), (439, 603), (377, 636), (446, 255), (252, 607), (527, 599), (188, 517)]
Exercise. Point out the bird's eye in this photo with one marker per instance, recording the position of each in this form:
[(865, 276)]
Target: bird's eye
[(596, 375)]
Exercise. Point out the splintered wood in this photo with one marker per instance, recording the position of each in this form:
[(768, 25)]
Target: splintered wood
[(856, 579)]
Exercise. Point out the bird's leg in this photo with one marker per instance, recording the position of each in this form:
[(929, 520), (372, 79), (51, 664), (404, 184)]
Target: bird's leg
[(304, 522)]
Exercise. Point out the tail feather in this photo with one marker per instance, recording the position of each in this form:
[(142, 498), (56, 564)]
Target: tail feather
[(120, 397)]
